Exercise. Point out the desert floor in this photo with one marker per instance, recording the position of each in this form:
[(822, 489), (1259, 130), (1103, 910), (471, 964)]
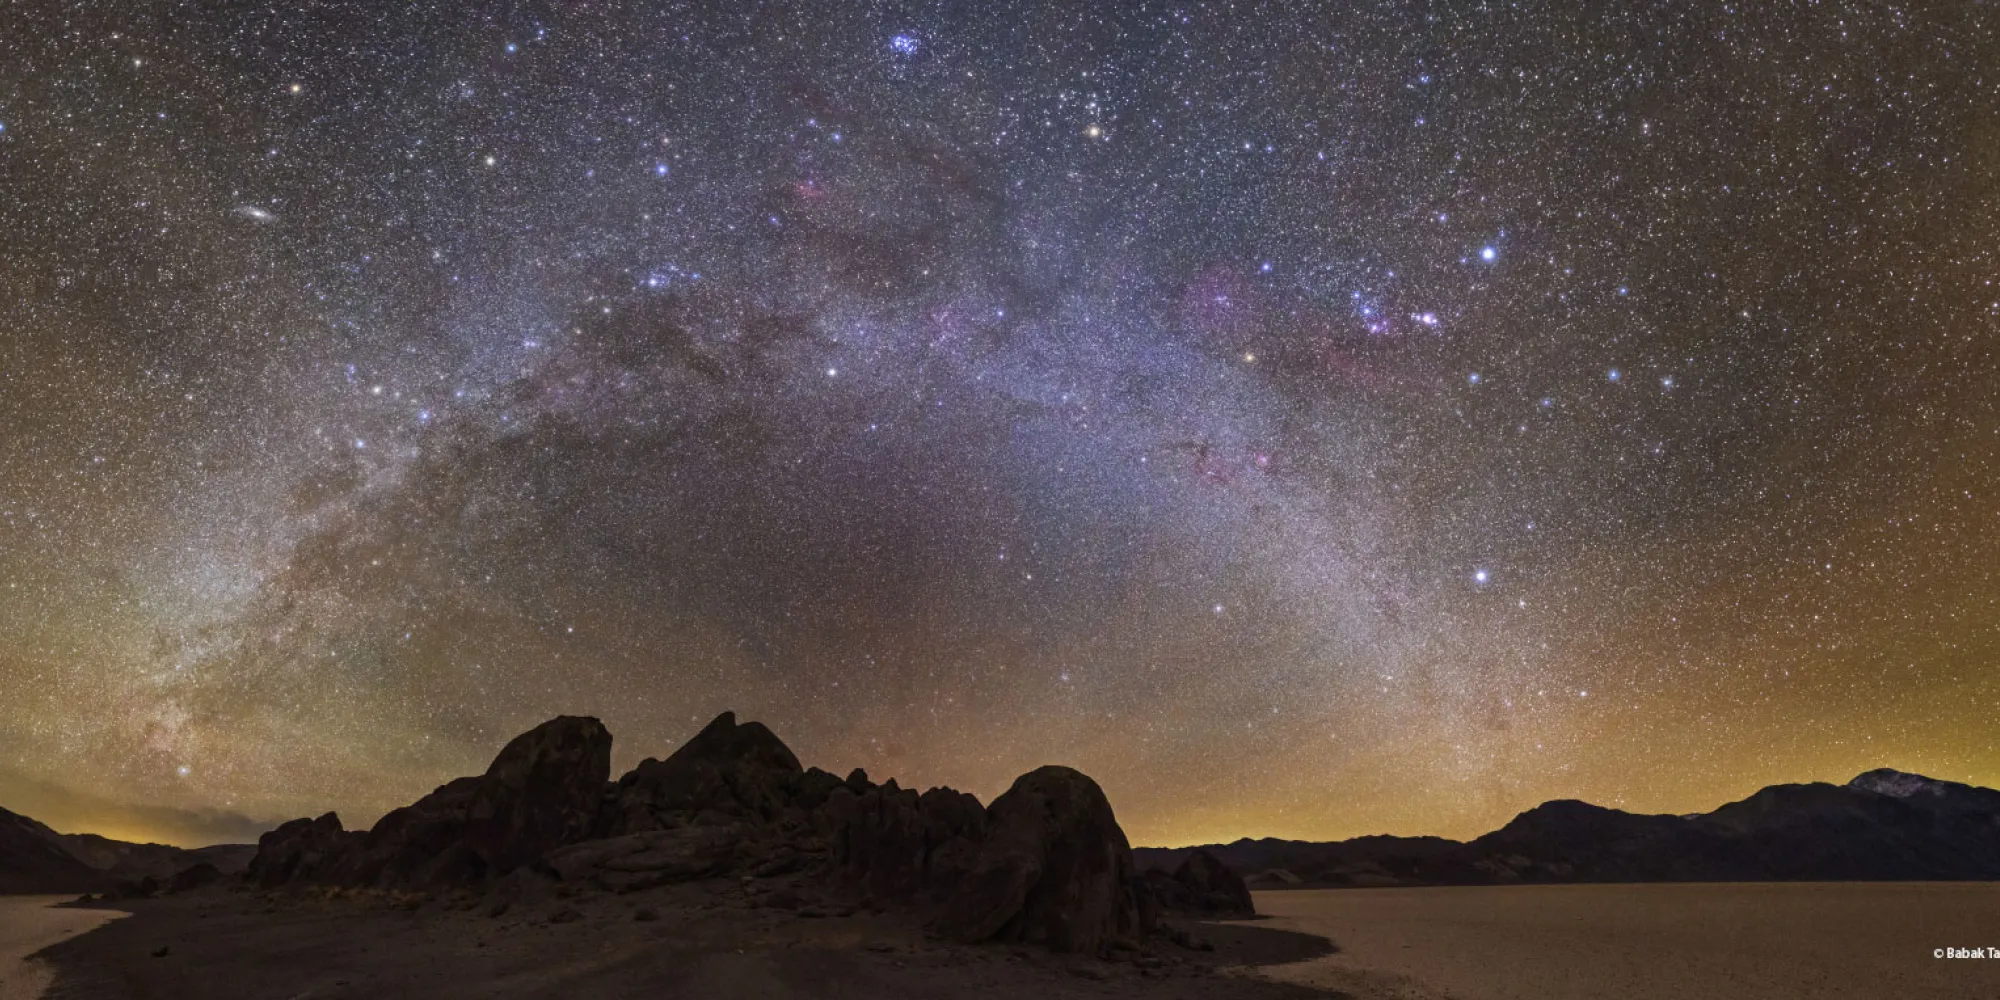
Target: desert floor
[(27, 925), (725, 940), (1642, 942), (717, 941)]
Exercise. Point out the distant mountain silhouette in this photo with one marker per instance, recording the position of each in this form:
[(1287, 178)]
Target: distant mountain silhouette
[(36, 859), (1884, 825)]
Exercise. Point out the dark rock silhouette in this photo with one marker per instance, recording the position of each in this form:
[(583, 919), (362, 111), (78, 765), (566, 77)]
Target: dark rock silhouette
[(727, 771), (1214, 888), (1883, 825), (543, 791), (1054, 868), (1046, 863), (301, 850), (1201, 886), (635, 861), (896, 843)]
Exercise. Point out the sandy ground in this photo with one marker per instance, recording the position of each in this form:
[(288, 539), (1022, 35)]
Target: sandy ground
[(1826, 941), (711, 942), (27, 925)]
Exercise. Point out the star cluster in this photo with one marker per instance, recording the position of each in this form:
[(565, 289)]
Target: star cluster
[(1309, 420)]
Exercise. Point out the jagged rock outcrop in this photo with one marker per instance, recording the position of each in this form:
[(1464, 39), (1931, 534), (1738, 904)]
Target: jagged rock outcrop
[(303, 850), (895, 843), (1047, 863), (728, 772), (1054, 868), (543, 791)]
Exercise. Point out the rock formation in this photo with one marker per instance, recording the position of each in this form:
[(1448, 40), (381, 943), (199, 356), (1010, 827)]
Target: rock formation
[(543, 791), (1054, 868), (302, 850), (1201, 886), (1046, 863)]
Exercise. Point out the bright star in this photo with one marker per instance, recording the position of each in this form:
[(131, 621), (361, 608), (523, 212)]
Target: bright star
[(1488, 253), (1480, 576)]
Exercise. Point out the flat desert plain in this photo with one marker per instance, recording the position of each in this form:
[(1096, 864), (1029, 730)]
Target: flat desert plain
[(1866, 941)]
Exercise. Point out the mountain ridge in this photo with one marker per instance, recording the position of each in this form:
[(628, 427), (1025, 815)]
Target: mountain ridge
[(34, 858), (1883, 824)]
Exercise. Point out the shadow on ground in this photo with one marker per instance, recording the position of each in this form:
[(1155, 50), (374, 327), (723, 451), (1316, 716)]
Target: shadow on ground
[(1240, 942)]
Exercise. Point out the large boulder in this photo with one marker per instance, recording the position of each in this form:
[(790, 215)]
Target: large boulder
[(1054, 868), (1213, 888), (542, 791)]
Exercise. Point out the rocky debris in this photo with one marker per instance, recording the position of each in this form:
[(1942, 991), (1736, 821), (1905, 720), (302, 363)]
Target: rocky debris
[(1047, 863), (1054, 868)]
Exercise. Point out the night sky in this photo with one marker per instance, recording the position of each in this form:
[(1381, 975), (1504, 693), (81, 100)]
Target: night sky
[(1309, 420)]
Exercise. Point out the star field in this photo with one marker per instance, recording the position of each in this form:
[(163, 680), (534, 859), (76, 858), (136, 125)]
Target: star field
[(1309, 421)]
